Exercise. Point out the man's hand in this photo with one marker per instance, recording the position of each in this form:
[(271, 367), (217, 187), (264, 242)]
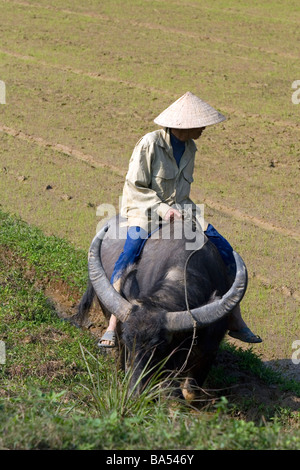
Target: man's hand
[(173, 214)]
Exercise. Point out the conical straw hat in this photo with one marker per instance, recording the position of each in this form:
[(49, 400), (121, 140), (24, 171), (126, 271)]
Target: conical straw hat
[(189, 112)]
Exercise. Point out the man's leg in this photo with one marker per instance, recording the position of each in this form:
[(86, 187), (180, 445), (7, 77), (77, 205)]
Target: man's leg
[(134, 241), (237, 326)]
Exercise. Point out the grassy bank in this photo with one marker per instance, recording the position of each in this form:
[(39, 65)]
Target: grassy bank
[(58, 391)]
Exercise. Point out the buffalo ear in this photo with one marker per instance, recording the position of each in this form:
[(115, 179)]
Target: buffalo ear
[(214, 296)]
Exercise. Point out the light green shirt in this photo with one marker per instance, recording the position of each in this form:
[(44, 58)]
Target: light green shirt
[(154, 181)]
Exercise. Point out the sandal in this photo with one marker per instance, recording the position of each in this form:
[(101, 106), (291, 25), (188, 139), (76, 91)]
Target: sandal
[(246, 335), (110, 336)]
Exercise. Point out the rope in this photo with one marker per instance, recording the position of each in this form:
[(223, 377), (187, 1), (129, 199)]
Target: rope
[(187, 302)]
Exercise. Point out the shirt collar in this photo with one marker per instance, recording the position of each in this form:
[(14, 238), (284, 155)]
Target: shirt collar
[(165, 141)]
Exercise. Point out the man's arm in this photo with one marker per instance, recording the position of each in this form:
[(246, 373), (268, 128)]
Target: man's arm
[(138, 197)]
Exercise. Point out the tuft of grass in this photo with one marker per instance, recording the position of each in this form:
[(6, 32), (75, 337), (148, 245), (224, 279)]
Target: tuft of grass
[(114, 392)]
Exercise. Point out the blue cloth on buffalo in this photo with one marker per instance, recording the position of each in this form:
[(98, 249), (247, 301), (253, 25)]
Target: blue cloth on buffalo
[(136, 238)]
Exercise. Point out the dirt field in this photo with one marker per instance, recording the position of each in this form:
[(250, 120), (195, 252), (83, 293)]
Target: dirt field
[(84, 81)]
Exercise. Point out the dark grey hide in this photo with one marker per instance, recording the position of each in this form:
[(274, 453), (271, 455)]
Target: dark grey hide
[(174, 301)]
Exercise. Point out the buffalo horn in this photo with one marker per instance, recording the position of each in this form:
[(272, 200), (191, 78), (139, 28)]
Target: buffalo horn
[(105, 292), (214, 311)]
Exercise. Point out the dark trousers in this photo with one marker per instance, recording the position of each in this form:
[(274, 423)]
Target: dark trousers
[(136, 237)]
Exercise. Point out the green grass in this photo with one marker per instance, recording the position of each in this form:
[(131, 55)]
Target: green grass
[(49, 256), (58, 391)]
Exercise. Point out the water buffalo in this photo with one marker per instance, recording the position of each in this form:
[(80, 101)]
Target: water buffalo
[(174, 302)]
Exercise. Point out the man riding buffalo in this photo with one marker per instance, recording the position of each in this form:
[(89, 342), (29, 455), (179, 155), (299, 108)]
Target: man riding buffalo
[(157, 188)]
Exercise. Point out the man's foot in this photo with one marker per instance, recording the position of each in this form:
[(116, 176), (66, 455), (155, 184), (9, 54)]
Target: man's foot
[(245, 335), (108, 340)]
